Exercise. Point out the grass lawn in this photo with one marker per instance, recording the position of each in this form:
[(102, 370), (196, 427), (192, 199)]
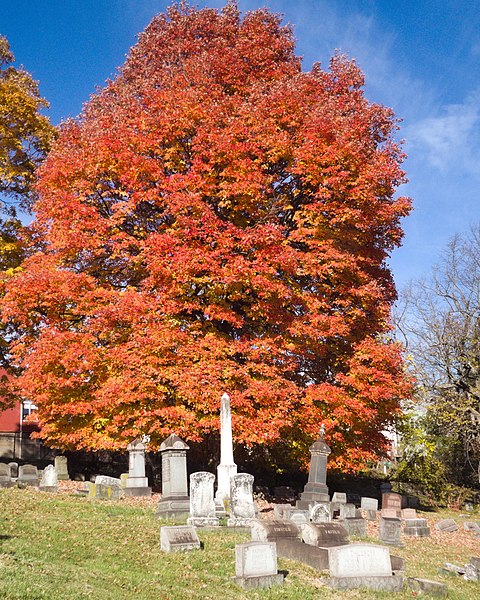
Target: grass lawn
[(60, 547)]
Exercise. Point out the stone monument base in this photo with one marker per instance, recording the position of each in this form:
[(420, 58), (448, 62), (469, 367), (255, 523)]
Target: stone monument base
[(138, 491), (203, 521), (170, 508), (48, 488), (263, 581), (394, 583), (239, 522)]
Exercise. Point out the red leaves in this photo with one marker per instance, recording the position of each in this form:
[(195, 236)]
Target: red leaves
[(216, 220)]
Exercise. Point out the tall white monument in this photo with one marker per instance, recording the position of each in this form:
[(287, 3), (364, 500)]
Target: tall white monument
[(227, 468)]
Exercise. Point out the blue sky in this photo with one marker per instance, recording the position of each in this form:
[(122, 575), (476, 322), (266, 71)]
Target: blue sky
[(422, 58)]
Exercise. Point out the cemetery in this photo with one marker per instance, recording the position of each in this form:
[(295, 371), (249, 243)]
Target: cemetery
[(183, 539), (211, 382)]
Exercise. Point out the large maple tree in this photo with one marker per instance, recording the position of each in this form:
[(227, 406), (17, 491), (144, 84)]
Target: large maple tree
[(216, 220)]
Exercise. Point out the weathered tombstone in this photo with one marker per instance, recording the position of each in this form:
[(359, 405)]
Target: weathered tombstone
[(409, 513), (325, 534), (256, 565), (179, 538), (49, 480), (362, 565), (447, 525), (347, 511), (368, 503), (431, 588), (416, 527), (28, 475), (392, 501), (242, 506), (202, 504), (5, 476), (282, 511), (316, 489), (107, 488), (175, 501), (320, 513), (272, 531), (471, 526), (355, 526), (389, 531), (13, 469), (123, 479), (227, 467), (136, 483), (299, 517), (61, 467), (472, 569)]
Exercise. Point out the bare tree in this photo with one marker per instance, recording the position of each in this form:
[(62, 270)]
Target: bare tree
[(439, 317)]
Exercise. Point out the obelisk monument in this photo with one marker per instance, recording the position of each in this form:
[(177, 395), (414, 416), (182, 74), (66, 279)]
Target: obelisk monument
[(227, 468)]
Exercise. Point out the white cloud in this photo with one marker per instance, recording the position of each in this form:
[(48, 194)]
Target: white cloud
[(452, 139)]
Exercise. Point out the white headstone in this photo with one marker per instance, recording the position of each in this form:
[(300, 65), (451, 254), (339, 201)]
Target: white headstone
[(359, 560), (256, 559), (242, 506), (202, 504), (178, 538), (368, 503), (49, 477), (320, 513)]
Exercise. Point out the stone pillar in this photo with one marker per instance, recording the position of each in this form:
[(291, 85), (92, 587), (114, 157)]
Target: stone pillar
[(227, 467), (242, 506), (136, 484), (175, 501), (316, 489), (202, 505)]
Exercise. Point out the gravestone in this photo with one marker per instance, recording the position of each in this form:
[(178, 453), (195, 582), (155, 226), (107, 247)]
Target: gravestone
[(272, 531), (256, 565), (242, 506), (389, 531), (416, 527), (28, 475), (175, 501), (339, 498), (227, 467), (61, 467), (368, 503), (355, 526), (392, 501), (447, 525), (320, 513), (362, 565), (325, 534), (202, 504), (347, 511), (431, 588), (13, 469), (390, 513), (136, 483), (299, 517), (106, 488), (471, 526), (5, 476), (178, 538), (409, 513), (316, 489), (282, 511), (472, 569), (49, 480)]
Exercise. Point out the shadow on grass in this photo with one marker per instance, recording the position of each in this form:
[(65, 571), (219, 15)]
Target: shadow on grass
[(5, 537)]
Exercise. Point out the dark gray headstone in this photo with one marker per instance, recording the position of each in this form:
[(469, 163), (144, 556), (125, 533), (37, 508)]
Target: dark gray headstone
[(271, 531), (325, 534), (355, 526)]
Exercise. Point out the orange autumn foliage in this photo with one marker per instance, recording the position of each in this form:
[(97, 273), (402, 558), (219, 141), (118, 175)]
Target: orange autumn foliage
[(216, 220)]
